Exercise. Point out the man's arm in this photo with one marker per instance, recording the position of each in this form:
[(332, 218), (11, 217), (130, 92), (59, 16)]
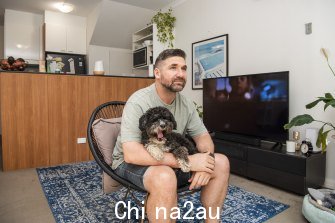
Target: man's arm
[(204, 143), (135, 153)]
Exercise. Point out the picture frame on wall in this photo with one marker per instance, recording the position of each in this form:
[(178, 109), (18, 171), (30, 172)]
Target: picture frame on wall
[(209, 59)]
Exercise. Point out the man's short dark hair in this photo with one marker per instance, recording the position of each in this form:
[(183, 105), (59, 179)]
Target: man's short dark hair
[(169, 53)]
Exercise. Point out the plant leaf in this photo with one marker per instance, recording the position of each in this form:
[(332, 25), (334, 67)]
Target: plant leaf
[(332, 103), (324, 140), (329, 96), (299, 120), (312, 104), (319, 139)]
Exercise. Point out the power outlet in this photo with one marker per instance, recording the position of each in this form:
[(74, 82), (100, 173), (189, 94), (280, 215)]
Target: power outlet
[(308, 28), (81, 140)]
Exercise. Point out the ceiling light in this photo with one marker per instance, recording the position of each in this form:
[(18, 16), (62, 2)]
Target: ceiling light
[(65, 7)]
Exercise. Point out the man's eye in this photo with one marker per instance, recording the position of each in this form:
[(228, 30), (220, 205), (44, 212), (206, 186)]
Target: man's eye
[(173, 68), (184, 68)]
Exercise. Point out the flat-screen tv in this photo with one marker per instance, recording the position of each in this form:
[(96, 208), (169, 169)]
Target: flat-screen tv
[(254, 105)]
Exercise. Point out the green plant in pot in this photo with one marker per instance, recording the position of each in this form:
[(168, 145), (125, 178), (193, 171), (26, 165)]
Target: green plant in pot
[(165, 24), (199, 110), (329, 101)]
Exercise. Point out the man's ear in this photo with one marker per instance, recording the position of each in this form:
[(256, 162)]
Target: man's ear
[(157, 73), (143, 122)]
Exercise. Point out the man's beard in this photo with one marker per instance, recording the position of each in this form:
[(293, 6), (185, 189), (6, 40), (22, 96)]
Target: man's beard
[(174, 87)]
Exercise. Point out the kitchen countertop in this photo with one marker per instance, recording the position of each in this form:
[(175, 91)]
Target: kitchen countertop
[(106, 75)]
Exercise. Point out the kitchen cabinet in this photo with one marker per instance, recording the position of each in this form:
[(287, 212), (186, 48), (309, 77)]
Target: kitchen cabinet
[(65, 39), (22, 35), (43, 115), (24, 116), (68, 115), (55, 38), (76, 40)]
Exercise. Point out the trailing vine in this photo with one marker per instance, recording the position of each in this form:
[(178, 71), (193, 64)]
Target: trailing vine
[(165, 24)]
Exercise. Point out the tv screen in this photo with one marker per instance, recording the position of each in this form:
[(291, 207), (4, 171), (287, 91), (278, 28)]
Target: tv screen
[(251, 105)]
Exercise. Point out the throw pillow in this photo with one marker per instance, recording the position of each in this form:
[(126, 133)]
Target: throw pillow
[(106, 132)]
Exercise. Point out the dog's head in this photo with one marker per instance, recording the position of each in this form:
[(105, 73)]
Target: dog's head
[(157, 122)]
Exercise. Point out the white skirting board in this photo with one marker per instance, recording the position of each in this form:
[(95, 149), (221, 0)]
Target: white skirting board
[(329, 183)]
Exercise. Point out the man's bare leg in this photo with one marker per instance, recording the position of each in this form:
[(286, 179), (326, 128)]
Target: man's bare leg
[(161, 183), (214, 193)]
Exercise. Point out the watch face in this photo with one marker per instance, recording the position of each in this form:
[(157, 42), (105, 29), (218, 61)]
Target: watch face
[(304, 148)]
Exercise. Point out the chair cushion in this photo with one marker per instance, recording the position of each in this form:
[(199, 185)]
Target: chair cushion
[(106, 132)]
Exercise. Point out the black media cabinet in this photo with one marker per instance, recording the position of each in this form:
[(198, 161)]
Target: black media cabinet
[(290, 171)]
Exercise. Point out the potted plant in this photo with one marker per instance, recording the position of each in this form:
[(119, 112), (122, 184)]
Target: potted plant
[(199, 110), (165, 24), (329, 101)]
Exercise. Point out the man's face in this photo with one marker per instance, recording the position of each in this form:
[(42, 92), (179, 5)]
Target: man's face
[(171, 73)]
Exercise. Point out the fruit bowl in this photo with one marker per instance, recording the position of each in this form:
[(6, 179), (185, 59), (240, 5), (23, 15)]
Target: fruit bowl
[(12, 64)]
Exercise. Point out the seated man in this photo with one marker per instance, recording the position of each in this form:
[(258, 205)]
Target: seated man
[(161, 178)]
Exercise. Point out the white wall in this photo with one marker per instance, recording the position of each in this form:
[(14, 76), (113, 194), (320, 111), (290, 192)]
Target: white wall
[(116, 23), (120, 61), (92, 19), (22, 34), (1, 56), (266, 36), (96, 53), (116, 61), (1, 42), (59, 18)]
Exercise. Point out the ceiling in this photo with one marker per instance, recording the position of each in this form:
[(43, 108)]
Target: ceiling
[(82, 7)]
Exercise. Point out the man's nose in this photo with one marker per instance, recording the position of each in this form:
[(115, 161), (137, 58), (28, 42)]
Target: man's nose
[(180, 72)]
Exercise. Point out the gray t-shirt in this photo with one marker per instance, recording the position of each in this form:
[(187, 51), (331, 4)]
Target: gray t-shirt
[(184, 112)]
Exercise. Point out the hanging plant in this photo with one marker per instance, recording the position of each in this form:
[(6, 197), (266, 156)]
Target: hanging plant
[(165, 24)]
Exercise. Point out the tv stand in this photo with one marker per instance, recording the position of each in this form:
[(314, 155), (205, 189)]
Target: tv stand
[(238, 138), (277, 144), (270, 163)]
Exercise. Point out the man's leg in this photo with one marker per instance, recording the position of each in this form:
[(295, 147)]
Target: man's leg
[(161, 183), (214, 193)]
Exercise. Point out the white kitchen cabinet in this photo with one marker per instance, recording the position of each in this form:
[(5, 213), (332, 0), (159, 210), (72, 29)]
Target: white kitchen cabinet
[(22, 35), (55, 38), (76, 40), (65, 39)]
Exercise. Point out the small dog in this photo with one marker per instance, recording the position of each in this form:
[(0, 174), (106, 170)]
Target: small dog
[(157, 137)]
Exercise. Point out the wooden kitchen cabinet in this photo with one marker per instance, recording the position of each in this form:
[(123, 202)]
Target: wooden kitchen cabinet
[(24, 116), (68, 113), (43, 115)]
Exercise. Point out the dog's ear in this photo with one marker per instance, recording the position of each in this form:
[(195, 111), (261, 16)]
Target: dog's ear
[(143, 122), (174, 124)]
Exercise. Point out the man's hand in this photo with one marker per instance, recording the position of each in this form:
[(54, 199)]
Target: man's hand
[(202, 162), (199, 179)]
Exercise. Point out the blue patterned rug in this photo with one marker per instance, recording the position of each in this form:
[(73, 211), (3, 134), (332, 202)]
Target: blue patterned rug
[(74, 195)]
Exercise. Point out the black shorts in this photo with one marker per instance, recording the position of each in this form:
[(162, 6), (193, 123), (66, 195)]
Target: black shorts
[(134, 173)]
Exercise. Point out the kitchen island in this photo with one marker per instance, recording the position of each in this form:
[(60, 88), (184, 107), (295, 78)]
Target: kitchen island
[(43, 115)]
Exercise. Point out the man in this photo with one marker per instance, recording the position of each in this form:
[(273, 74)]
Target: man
[(161, 178)]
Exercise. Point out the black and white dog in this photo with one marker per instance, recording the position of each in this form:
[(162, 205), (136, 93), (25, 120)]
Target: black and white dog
[(156, 125)]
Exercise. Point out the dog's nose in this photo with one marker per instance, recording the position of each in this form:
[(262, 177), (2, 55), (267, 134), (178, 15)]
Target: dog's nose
[(162, 125)]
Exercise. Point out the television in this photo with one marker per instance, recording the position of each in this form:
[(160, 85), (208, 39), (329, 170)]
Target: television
[(253, 105)]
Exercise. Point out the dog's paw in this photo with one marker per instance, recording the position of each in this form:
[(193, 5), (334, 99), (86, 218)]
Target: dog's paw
[(155, 152), (184, 166)]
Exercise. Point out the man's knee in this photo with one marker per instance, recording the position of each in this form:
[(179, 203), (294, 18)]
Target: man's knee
[(160, 178), (221, 164)]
